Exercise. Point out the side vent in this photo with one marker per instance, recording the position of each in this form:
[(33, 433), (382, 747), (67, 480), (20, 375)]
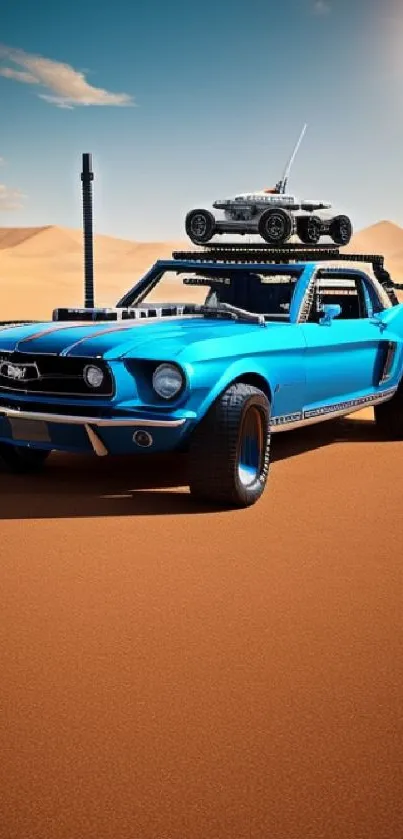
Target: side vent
[(389, 357)]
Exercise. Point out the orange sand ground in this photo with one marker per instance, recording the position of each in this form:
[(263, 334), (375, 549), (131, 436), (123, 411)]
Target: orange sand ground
[(170, 672)]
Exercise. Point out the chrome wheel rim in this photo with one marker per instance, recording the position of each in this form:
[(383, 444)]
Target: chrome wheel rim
[(250, 456)]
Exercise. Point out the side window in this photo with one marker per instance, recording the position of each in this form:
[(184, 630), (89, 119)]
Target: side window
[(374, 302), (357, 298)]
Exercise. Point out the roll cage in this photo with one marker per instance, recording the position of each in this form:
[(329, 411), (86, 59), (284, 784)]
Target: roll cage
[(309, 266)]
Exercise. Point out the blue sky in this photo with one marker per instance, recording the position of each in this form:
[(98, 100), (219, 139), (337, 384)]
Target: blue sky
[(181, 103)]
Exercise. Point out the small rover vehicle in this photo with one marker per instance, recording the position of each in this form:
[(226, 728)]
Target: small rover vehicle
[(273, 214)]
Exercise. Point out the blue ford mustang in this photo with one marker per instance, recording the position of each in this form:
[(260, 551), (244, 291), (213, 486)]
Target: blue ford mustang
[(249, 347)]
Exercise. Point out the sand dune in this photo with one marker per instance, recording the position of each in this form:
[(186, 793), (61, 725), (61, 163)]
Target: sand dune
[(48, 242), (10, 237), (385, 238), (56, 242)]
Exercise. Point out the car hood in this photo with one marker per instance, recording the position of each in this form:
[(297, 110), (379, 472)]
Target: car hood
[(160, 338)]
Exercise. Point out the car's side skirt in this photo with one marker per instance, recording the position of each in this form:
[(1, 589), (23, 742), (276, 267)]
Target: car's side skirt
[(308, 416)]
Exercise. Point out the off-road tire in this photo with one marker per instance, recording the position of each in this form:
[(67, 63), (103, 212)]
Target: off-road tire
[(275, 226), (216, 445), (21, 459), (341, 230), (389, 416), (309, 229), (200, 226)]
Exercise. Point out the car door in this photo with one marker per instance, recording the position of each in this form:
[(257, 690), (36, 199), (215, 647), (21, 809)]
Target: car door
[(346, 357)]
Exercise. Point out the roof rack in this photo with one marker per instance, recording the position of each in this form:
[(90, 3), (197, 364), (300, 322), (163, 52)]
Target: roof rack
[(239, 252), (234, 252), (251, 253), (264, 246)]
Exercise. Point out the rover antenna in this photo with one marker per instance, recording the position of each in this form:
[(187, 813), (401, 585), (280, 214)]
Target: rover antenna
[(87, 176), (282, 185)]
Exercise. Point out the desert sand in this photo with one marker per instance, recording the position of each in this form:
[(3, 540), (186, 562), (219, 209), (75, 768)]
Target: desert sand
[(173, 672)]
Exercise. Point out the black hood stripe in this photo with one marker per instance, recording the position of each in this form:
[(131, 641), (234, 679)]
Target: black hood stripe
[(128, 325), (48, 331)]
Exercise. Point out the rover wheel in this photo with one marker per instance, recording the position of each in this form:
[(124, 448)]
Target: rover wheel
[(200, 226), (275, 226), (341, 230), (309, 229), (389, 416), (21, 458), (229, 451)]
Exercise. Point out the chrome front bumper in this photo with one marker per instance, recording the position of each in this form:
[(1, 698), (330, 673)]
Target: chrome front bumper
[(88, 422)]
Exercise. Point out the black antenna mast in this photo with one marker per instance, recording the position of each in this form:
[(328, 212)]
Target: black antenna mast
[(87, 176)]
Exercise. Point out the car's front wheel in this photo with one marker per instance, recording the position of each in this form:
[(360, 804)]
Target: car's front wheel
[(229, 451), (21, 458)]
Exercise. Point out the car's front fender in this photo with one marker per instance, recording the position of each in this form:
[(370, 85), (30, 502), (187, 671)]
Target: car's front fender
[(280, 374), (242, 368)]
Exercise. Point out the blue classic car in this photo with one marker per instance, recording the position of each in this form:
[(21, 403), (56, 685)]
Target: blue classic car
[(247, 343)]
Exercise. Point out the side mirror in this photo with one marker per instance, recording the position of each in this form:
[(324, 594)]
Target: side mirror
[(329, 313), (377, 320)]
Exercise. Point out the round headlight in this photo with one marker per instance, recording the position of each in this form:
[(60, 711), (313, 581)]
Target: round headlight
[(93, 376), (167, 381)]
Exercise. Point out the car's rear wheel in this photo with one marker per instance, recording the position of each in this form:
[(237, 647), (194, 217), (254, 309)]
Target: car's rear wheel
[(389, 416), (341, 230), (309, 229), (229, 451), (275, 226), (21, 458), (200, 226)]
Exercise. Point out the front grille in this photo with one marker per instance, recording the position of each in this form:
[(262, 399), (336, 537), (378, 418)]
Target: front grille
[(53, 375)]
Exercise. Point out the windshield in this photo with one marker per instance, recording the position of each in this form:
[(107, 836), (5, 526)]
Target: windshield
[(268, 292)]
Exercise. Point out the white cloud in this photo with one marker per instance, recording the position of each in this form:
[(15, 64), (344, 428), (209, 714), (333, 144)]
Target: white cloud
[(322, 7), (18, 75), (10, 199), (66, 87)]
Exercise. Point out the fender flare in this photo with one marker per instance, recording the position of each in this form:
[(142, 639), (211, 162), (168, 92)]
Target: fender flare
[(238, 371)]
